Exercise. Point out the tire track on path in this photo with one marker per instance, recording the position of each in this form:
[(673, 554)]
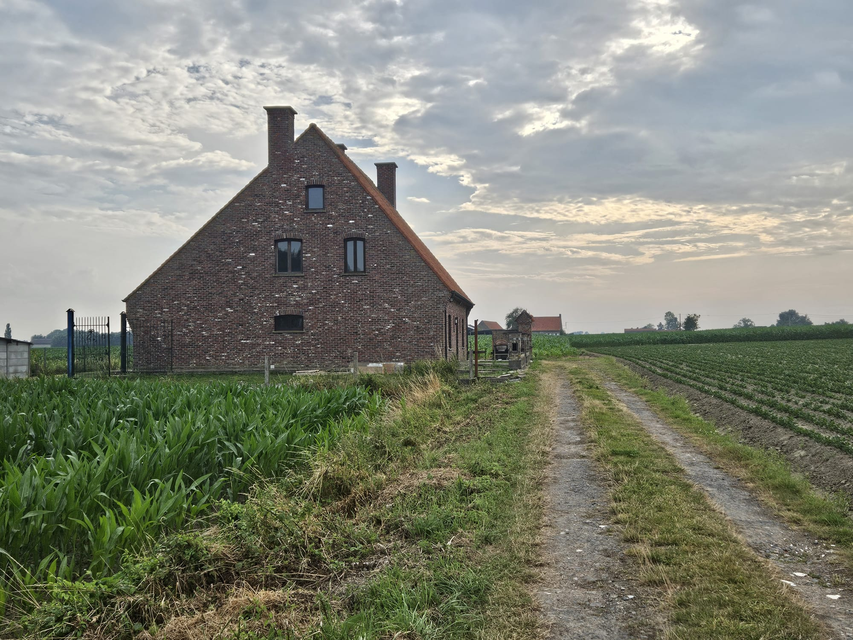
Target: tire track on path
[(588, 590), (806, 565)]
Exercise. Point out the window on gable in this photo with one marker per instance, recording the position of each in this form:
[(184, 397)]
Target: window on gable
[(314, 198), (290, 322), (288, 256), (354, 255)]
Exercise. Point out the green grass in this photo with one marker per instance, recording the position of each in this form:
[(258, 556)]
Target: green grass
[(827, 517), (422, 525), (713, 586)]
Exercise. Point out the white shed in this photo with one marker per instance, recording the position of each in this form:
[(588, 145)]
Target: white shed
[(14, 358)]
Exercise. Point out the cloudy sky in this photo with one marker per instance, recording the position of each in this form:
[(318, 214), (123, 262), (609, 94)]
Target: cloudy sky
[(606, 160)]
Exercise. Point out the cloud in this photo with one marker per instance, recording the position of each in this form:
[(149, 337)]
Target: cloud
[(615, 136)]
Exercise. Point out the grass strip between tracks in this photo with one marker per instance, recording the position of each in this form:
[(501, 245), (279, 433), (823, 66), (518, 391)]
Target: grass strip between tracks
[(713, 586), (789, 494)]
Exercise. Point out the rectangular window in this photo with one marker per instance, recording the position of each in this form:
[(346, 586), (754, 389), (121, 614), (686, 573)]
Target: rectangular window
[(354, 255), (456, 329), (288, 323), (289, 256), (314, 198)]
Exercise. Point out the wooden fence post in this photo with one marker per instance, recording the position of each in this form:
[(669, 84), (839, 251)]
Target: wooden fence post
[(266, 370), (355, 365), (476, 350)]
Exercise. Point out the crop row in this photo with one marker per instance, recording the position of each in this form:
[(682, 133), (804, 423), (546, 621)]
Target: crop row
[(756, 334), (804, 386), (91, 468)]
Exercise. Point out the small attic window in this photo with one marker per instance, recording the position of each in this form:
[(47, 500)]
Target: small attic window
[(314, 198)]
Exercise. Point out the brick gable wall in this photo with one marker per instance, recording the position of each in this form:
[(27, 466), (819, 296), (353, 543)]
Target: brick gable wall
[(221, 290)]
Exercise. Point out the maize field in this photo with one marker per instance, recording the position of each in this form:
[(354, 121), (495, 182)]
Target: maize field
[(92, 468)]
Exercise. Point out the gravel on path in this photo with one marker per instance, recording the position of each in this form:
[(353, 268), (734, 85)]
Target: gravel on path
[(587, 590), (805, 565)]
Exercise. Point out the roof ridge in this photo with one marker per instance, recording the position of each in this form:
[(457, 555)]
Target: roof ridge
[(393, 215)]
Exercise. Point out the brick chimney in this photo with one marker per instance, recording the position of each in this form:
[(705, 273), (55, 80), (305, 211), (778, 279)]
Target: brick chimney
[(386, 181), (280, 122)]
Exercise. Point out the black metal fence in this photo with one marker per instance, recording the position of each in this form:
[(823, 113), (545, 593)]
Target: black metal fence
[(91, 346)]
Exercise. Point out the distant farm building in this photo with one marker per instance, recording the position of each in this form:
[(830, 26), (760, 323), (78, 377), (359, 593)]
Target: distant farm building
[(41, 343), (514, 345), (548, 325), (14, 358), (640, 330), (486, 327), (310, 264)]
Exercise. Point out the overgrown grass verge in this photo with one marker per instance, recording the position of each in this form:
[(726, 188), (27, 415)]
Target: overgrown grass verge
[(714, 586), (790, 494), (421, 526)]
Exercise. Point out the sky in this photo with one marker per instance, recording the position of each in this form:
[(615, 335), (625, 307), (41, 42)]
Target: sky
[(608, 161)]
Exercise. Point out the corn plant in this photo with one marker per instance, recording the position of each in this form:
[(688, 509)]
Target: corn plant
[(91, 468)]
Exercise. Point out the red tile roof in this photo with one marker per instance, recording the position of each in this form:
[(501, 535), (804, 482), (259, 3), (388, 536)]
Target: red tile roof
[(547, 323), (395, 218), (491, 325)]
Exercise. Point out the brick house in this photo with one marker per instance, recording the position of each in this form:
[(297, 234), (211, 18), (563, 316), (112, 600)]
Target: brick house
[(486, 327), (548, 325), (309, 264)]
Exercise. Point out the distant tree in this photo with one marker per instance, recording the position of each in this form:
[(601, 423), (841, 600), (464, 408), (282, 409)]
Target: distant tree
[(649, 326), (8, 332), (691, 322), (58, 337), (744, 323), (670, 321), (842, 321), (511, 316), (791, 318), (660, 326)]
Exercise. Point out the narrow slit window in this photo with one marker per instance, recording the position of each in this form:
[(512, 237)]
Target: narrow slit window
[(354, 255), (289, 256), (289, 322), (315, 198)]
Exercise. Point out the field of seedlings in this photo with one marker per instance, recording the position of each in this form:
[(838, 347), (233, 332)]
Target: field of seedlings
[(803, 386), (92, 468)]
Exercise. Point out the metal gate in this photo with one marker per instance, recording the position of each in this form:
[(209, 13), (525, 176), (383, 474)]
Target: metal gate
[(91, 348)]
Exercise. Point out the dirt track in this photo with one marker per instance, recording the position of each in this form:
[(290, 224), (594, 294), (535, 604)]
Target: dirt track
[(588, 588), (806, 566), (824, 466)]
